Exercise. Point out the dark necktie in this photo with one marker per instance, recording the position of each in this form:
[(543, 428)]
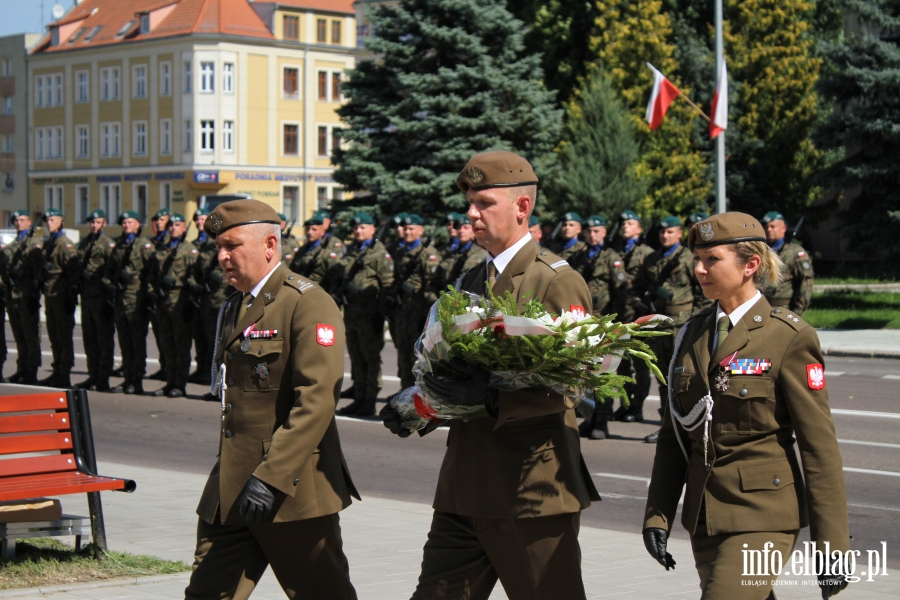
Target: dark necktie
[(245, 304), (492, 275), (723, 327)]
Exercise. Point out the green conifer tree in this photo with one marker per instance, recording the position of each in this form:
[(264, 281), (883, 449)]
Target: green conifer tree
[(451, 78)]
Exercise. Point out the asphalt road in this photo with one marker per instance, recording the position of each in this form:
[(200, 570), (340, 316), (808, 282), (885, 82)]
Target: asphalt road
[(182, 435)]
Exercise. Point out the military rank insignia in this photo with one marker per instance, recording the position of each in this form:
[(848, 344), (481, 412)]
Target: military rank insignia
[(750, 366), (262, 370)]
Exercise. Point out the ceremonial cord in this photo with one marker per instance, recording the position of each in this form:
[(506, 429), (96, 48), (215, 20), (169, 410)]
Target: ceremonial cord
[(700, 413)]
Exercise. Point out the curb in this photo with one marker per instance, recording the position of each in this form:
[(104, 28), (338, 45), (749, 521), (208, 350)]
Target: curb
[(861, 353), (857, 287), (92, 585)]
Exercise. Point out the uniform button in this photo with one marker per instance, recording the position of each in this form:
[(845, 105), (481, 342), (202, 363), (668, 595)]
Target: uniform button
[(776, 482), (296, 481), (231, 381), (743, 392), (228, 433), (228, 408), (532, 448), (229, 355)]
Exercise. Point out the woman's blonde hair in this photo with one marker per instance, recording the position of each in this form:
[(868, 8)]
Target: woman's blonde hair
[(771, 270)]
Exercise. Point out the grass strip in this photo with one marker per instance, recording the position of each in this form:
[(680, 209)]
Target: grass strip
[(47, 561), (854, 310)]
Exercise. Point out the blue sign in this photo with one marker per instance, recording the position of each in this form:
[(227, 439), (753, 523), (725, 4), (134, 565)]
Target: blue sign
[(206, 177)]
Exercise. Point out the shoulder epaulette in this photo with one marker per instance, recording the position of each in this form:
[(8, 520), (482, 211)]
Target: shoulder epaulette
[(786, 316), (552, 260), (298, 283)]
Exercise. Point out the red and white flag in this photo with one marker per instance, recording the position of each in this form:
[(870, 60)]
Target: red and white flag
[(719, 121), (662, 96)]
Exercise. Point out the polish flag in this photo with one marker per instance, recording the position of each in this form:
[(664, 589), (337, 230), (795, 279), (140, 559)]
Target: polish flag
[(719, 121), (662, 96)]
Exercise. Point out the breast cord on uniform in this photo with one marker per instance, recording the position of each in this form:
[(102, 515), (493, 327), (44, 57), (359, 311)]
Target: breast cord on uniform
[(217, 379), (701, 413)]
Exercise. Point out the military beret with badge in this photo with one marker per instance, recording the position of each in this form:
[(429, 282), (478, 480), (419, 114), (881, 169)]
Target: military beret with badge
[(314, 220), (452, 216), (595, 221), (200, 212), (571, 216), (695, 217), (772, 215), (499, 168), (412, 219), (52, 212), (533, 221), (177, 218), (461, 219), (629, 215), (239, 212), (163, 212), (725, 228), (97, 214), (16, 214), (397, 219), (670, 221), (362, 218), (128, 214)]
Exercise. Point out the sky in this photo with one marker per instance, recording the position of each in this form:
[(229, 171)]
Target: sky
[(24, 16)]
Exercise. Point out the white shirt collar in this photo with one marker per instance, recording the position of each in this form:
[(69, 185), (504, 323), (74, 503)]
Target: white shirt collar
[(736, 315), (504, 258), (259, 286)]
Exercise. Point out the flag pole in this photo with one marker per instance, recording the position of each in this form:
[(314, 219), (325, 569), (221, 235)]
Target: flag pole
[(697, 108), (721, 204)]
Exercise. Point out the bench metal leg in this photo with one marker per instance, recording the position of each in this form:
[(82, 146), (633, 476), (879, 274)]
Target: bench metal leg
[(7, 549), (98, 528), (77, 543)]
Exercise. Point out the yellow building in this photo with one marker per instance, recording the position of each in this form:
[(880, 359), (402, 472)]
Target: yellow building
[(142, 104)]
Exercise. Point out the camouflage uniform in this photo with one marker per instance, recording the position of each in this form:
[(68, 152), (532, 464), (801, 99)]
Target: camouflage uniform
[(174, 312), (62, 277), (795, 292), (569, 248), (23, 303), (208, 293), (97, 312), (289, 248), (314, 261), (633, 256), (464, 257), (161, 250), (128, 269)]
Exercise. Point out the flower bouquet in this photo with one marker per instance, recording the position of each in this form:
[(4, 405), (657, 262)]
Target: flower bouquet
[(572, 354)]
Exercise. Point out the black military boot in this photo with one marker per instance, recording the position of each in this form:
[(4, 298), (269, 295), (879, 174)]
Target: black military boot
[(16, 377), (585, 428), (29, 379), (117, 372), (367, 408), (49, 381), (350, 409), (651, 439), (158, 376), (86, 384), (63, 381), (134, 388), (635, 413), (164, 391), (350, 392), (101, 385), (600, 430)]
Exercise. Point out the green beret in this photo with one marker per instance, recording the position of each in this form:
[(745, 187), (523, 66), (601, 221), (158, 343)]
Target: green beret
[(533, 221), (128, 214), (696, 217), (97, 214), (629, 215), (571, 216), (670, 221), (362, 218), (314, 220), (496, 169), (239, 212), (322, 214), (461, 219), (176, 218), (772, 215), (282, 216), (725, 228), (396, 220), (412, 219), (200, 212), (452, 216), (52, 212), (595, 221), (163, 212)]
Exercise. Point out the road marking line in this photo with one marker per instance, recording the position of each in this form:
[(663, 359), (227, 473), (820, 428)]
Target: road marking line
[(834, 373), (84, 356), (864, 413), (618, 476), (876, 444), (872, 472), (891, 377), (875, 506)]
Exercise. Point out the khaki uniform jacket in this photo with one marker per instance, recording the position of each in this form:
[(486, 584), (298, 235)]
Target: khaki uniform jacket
[(94, 254), (756, 482), (527, 462), (278, 416), (62, 270), (25, 268), (606, 280), (795, 292)]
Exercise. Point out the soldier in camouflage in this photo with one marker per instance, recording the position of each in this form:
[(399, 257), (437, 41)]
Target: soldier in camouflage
[(318, 255), (534, 228), (604, 273), (331, 241), (97, 314), (4, 286), (159, 224), (207, 254), (571, 229), (795, 291), (366, 273), (289, 244), (23, 297), (467, 255)]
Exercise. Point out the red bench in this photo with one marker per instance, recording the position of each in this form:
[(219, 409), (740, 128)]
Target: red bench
[(47, 449)]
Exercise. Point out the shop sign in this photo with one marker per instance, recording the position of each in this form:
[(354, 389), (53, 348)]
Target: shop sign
[(206, 177)]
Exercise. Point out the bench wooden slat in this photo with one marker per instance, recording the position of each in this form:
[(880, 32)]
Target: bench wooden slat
[(26, 423), (55, 484), (51, 400), (41, 442), (36, 464)]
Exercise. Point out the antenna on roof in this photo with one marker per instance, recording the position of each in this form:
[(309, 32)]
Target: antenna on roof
[(58, 11), (42, 17)]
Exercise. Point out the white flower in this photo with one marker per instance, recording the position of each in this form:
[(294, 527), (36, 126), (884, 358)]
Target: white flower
[(475, 309)]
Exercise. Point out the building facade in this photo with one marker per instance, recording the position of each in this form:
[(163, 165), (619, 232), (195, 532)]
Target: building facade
[(138, 105)]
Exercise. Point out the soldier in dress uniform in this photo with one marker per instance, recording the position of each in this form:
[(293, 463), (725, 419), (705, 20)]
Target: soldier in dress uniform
[(366, 274), (795, 291), (97, 313), (61, 281), (513, 484), (534, 228), (173, 309), (274, 495), (634, 252), (747, 384), (128, 271), (604, 273), (665, 284), (316, 257), (201, 332), (26, 263), (571, 229), (159, 225), (289, 244)]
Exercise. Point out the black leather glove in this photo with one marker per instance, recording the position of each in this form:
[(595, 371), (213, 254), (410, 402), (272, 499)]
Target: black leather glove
[(463, 385), (351, 288), (407, 289), (831, 585), (256, 500), (126, 275), (390, 418), (196, 289), (665, 294), (655, 540), (216, 276)]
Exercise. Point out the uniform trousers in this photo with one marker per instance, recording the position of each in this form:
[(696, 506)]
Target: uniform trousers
[(410, 319), (640, 389), (720, 563), (365, 341), (3, 349), (175, 330), (98, 329), (60, 317), (26, 327), (131, 326), (307, 558), (157, 335), (536, 558)]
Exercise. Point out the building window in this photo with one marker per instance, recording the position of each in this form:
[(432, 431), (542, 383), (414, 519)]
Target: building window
[(139, 143), (291, 28), (207, 77), (165, 196), (82, 203), (321, 24), (7, 67), (57, 90), (48, 143), (109, 141), (291, 140), (323, 141), (8, 106), (39, 143), (291, 83), (322, 196), (228, 136), (228, 78), (165, 79), (139, 202), (53, 197), (139, 81), (8, 144), (82, 146), (336, 87), (323, 85), (290, 205), (111, 199), (207, 136), (335, 32), (57, 141), (188, 136), (165, 136), (38, 92), (188, 78), (81, 86), (109, 83)]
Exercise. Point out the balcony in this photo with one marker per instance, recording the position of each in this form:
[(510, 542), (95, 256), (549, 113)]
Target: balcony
[(7, 124), (7, 86), (7, 162)]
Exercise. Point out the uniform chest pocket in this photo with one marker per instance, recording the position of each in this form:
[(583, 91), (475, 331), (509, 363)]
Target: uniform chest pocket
[(261, 368), (747, 406)]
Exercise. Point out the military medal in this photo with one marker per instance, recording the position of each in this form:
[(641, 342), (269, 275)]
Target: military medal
[(724, 372), (265, 334), (262, 370), (750, 366), (245, 345)]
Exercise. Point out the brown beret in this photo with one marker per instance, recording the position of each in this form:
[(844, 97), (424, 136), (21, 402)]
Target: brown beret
[(725, 228), (496, 169), (239, 212)]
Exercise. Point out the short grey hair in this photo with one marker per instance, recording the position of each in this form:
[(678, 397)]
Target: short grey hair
[(261, 230)]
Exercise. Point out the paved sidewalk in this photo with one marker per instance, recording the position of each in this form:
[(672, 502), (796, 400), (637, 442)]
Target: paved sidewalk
[(861, 343), (383, 540)]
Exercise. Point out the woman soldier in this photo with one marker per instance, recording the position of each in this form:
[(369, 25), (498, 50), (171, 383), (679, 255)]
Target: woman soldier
[(746, 383)]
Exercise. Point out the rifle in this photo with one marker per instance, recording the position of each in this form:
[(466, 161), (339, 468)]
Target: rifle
[(380, 231), (646, 301), (556, 231), (793, 232), (612, 234), (643, 235), (354, 269)]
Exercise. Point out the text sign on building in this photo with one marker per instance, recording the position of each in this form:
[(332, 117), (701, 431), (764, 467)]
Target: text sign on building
[(206, 177)]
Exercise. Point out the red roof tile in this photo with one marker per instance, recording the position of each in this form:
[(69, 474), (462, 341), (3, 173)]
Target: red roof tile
[(338, 6)]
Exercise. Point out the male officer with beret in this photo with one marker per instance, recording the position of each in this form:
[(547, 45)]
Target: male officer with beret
[(795, 291), (513, 484), (61, 282), (274, 495), (97, 312), (23, 297), (571, 229)]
